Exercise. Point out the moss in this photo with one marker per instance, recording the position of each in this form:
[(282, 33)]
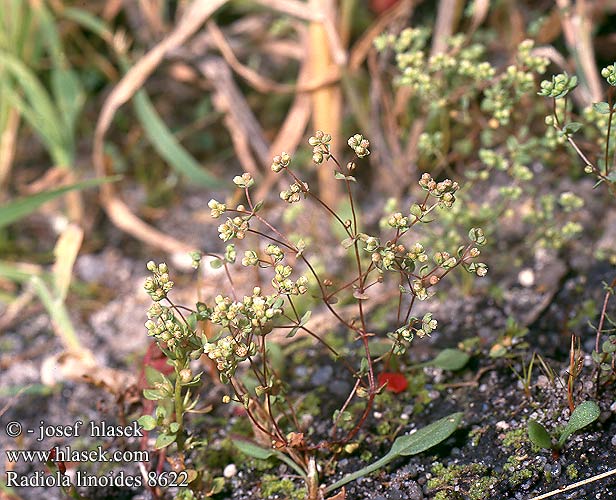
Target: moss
[(572, 472), (275, 487), (383, 428), (480, 489), (311, 404), (476, 434), (515, 473), (516, 438), (476, 476)]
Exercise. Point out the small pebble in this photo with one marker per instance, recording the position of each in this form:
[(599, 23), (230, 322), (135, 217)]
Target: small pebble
[(229, 471), (502, 425), (526, 277)]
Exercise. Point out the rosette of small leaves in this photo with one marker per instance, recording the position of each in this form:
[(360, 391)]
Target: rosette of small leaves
[(320, 146), (605, 359)]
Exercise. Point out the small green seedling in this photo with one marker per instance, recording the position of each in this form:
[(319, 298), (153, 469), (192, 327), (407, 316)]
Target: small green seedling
[(584, 414), (407, 445), (447, 359)]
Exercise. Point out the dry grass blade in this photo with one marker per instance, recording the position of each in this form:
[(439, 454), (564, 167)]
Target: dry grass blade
[(241, 122), (573, 486), (577, 28), (360, 50), (120, 214), (552, 54), (264, 84), (446, 17), (7, 146), (480, 12), (326, 102), (315, 15), (123, 218), (291, 131), (259, 82), (65, 252)]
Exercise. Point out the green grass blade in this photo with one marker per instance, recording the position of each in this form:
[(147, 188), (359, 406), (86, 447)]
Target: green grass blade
[(33, 90), (167, 146), (56, 309), (70, 98), (17, 209), (49, 137), (88, 21)]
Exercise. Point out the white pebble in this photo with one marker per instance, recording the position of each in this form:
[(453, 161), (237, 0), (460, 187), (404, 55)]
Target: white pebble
[(526, 277), (229, 471)]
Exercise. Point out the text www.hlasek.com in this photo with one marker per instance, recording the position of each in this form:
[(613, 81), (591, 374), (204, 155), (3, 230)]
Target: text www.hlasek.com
[(66, 454)]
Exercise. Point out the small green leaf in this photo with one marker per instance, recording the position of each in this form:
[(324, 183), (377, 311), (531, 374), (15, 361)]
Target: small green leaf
[(450, 359), (609, 346), (216, 263), (174, 427), (148, 422), (538, 435), (412, 444), (584, 414), (601, 107), (191, 320), (153, 394), (17, 209), (426, 437), (571, 128), (305, 318), (252, 450), (164, 440), (416, 210)]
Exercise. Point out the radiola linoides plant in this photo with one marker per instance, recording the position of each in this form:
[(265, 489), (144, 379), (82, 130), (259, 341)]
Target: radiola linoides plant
[(244, 326)]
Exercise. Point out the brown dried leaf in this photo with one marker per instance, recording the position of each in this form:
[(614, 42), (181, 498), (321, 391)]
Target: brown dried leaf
[(341, 495), (66, 250)]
